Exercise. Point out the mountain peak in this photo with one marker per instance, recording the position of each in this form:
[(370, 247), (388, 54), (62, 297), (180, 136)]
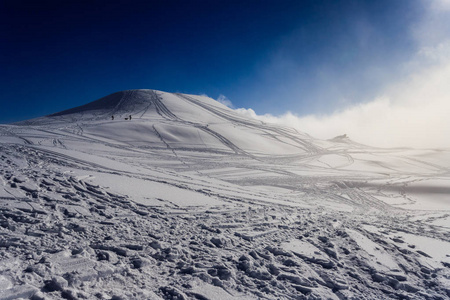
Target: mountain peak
[(122, 101)]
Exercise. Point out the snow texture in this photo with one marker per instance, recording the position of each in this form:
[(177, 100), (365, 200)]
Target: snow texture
[(179, 197)]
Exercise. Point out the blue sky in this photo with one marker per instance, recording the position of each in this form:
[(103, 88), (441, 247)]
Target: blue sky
[(309, 58), (272, 56)]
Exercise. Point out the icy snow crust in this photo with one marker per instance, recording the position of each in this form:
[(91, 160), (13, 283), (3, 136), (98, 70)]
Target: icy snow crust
[(189, 200)]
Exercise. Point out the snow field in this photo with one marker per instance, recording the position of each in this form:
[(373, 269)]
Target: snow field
[(188, 200)]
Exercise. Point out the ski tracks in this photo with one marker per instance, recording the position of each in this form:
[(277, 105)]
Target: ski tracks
[(166, 113), (311, 148)]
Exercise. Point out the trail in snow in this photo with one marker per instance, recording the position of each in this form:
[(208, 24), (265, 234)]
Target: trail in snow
[(189, 200)]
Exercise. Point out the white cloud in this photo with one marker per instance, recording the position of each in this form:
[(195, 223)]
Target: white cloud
[(380, 122), (224, 100), (413, 111), (440, 5)]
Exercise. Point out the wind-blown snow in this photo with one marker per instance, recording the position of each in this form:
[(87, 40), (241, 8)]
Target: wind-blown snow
[(190, 200)]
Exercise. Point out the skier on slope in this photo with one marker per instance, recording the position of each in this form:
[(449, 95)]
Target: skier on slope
[(112, 118)]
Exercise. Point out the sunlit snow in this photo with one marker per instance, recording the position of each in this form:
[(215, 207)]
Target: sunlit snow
[(151, 195)]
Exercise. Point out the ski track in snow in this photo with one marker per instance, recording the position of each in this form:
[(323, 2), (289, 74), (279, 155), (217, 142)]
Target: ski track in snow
[(189, 200)]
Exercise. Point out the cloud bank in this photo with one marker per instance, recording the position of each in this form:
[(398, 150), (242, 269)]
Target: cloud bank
[(413, 111)]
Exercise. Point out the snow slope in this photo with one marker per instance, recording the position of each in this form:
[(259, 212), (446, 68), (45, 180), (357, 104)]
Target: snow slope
[(188, 199)]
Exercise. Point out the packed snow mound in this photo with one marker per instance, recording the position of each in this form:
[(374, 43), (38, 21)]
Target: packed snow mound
[(150, 118)]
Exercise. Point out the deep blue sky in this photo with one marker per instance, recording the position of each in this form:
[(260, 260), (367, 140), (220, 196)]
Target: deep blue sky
[(272, 56)]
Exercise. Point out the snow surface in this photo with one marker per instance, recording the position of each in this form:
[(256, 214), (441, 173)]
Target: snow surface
[(189, 200)]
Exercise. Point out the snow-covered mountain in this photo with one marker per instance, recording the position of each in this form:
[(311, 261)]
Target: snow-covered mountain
[(144, 194)]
